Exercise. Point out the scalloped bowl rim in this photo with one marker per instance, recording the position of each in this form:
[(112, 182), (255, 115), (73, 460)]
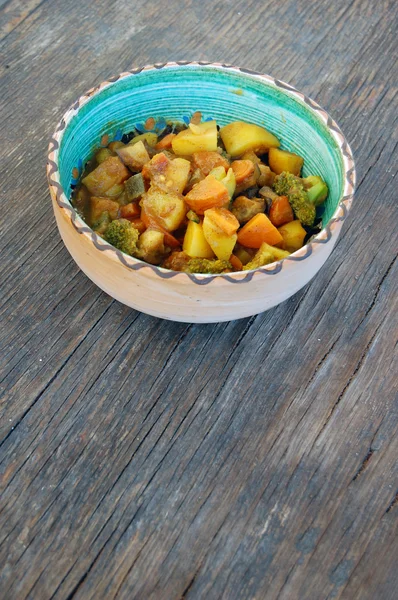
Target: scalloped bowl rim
[(324, 236)]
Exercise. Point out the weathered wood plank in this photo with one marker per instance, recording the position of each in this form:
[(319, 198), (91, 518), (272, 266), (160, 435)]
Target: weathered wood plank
[(148, 459), (14, 13)]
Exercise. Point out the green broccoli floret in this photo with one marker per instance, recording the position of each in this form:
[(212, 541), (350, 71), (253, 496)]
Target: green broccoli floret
[(284, 182), (205, 265), (291, 186), (265, 255), (121, 234), (259, 260)]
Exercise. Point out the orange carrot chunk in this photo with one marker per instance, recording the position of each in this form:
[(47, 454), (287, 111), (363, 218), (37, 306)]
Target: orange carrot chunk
[(224, 219), (236, 263), (242, 169), (130, 211), (138, 224), (165, 142), (281, 212), (206, 194), (258, 230)]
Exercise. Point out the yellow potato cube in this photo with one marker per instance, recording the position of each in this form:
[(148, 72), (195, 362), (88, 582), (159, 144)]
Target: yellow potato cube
[(196, 138), (195, 244), (240, 137), (110, 172), (167, 208), (293, 234), (151, 246), (177, 174), (221, 244), (281, 160)]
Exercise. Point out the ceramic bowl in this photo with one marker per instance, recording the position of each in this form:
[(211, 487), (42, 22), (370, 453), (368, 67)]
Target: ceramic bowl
[(173, 91)]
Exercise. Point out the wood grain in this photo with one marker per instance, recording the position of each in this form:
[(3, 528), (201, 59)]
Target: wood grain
[(144, 459)]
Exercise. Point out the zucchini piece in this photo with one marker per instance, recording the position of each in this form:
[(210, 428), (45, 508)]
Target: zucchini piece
[(103, 154), (101, 223), (317, 190), (135, 187), (192, 216), (317, 194)]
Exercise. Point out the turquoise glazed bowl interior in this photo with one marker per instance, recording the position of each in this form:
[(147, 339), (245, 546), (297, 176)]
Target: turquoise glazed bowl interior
[(173, 92)]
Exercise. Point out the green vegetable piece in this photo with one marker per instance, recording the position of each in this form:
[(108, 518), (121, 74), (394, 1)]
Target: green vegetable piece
[(230, 182), (102, 155), (259, 260), (206, 265), (192, 216), (135, 187), (317, 194), (101, 223), (227, 178), (218, 172), (123, 235), (311, 180), (265, 255)]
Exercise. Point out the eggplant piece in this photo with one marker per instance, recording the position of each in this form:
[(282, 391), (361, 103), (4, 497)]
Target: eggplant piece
[(252, 192), (244, 208), (267, 192)]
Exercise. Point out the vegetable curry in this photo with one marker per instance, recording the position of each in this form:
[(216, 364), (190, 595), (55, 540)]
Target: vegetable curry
[(201, 199)]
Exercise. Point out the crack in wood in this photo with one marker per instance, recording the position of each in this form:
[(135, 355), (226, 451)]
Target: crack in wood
[(120, 586), (323, 360), (185, 593), (393, 503), (375, 298), (77, 586), (364, 464)]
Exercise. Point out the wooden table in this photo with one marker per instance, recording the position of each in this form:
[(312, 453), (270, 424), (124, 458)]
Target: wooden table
[(144, 459)]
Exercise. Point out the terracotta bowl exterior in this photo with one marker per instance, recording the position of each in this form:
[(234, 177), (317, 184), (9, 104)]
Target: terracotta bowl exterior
[(173, 91)]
